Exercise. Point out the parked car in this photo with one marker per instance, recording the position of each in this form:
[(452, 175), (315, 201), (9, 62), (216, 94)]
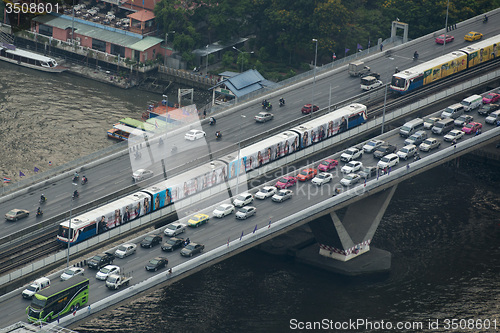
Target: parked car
[(306, 174), (197, 220), (327, 165), (246, 212), (191, 249), (491, 98), (472, 36), (156, 263), (142, 174), (368, 172), (262, 117), (173, 243), (429, 144), (107, 271), (70, 272), (442, 38), (388, 161), (351, 154), (194, 135), (125, 250), (486, 109), (463, 120), (243, 199), (150, 241), (322, 178), (453, 135), (16, 214), (282, 195), (407, 152), (384, 150), (371, 145), (429, 122), (471, 128), (266, 192), (350, 179), (285, 182), (223, 210), (351, 167), (306, 109), (174, 229)]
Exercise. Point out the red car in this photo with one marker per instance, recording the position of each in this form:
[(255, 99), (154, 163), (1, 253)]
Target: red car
[(285, 182), (472, 127), (306, 174), (440, 39), (327, 165), (306, 109), (491, 98)]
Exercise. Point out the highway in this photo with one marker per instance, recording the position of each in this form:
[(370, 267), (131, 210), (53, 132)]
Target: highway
[(218, 231)]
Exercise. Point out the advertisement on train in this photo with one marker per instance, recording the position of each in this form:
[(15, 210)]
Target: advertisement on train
[(482, 51), (270, 149), (445, 69)]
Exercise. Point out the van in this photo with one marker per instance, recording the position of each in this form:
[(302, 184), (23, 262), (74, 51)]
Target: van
[(411, 127), (443, 126), (493, 117), (472, 102), (453, 111), (35, 287)]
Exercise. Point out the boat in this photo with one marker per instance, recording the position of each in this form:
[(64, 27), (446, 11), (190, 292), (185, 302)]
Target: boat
[(12, 54)]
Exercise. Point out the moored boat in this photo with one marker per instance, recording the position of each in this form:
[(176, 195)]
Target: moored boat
[(12, 54)]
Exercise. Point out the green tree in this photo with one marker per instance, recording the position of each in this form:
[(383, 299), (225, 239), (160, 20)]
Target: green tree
[(227, 58)]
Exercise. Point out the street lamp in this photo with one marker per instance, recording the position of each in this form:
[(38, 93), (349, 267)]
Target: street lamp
[(69, 227), (314, 82), (206, 68), (166, 47), (242, 52), (239, 162)]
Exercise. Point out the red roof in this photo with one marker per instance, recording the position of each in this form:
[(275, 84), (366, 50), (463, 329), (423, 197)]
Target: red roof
[(143, 15)]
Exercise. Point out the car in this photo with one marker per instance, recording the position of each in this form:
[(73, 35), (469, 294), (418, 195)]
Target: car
[(243, 199), (350, 179), (191, 249), (463, 120), (100, 260), (282, 195), (322, 178), (351, 154), (223, 210), (407, 151), (472, 36), (416, 138), (486, 109), (306, 109), (384, 150), (327, 165), (262, 117), (172, 244), (388, 161), (70, 272), (351, 167), (441, 39), (142, 174), (16, 214), (472, 127), (367, 172), (156, 263), (266, 192), (429, 122), (491, 98), (307, 174), (198, 220), (285, 182), (246, 212), (429, 144), (150, 241), (125, 250), (107, 271), (371, 145), (194, 135), (453, 135), (174, 229)]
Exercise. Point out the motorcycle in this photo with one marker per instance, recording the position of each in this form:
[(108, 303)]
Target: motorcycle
[(218, 135), (212, 121), (282, 102), (485, 19), (84, 180), (39, 213), (138, 155), (269, 107), (174, 149), (42, 200), (417, 157), (75, 195), (415, 56), (160, 142), (75, 179)]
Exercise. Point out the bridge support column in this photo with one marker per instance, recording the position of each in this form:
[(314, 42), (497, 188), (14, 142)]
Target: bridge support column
[(347, 239)]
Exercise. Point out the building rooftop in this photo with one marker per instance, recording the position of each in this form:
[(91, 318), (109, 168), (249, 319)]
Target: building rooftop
[(245, 83), (143, 15)]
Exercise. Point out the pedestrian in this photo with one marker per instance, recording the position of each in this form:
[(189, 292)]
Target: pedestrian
[(381, 47), (204, 114), (88, 309), (170, 271)]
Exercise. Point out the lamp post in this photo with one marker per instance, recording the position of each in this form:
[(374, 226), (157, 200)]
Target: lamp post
[(242, 52), (239, 162), (69, 227), (166, 47), (314, 82), (445, 26), (206, 68)]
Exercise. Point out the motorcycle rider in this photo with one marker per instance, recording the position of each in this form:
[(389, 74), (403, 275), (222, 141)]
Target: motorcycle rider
[(218, 134), (485, 18), (84, 179), (75, 194), (415, 55), (38, 211), (212, 121), (282, 101), (76, 175), (43, 198)]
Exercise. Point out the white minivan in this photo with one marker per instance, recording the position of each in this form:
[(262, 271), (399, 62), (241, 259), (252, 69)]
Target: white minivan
[(35, 287), (453, 111), (472, 102)]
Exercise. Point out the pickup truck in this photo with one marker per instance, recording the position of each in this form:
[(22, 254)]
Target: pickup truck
[(115, 281), (101, 260)]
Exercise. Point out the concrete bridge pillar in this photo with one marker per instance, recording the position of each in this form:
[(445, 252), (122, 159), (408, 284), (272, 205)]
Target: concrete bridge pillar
[(351, 237)]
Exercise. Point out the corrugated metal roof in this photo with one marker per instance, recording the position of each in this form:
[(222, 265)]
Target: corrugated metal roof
[(245, 83), (146, 43)]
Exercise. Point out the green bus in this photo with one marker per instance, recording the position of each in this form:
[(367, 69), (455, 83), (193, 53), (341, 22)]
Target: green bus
[(138, 124), (59, 299)]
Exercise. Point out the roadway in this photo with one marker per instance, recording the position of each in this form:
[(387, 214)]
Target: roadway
[(112, 176), (218, 231)]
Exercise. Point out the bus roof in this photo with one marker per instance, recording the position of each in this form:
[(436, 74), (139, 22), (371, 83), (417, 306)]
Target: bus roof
[(58, 287), (421, 68)]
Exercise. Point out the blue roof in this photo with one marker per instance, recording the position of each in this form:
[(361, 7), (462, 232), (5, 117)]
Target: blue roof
[(245, 83)]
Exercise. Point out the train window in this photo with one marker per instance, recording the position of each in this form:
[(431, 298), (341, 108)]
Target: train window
[(398, 82), (89, 228)]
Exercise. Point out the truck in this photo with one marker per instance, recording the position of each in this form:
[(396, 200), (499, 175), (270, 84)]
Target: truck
[(100, 260), (358, 68), (116, 281)]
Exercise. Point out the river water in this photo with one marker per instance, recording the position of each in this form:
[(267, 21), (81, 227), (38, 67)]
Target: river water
[(442, 228)]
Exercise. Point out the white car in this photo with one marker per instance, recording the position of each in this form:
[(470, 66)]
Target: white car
[(350, 179), (454, 135), (371, 145), (266, 192), (322, 178), (243, 199), (174, 229), (223, 210), (351, 167), (351, 154), (70, 272), (142, 174), (194, 135), (246, 212), (388, 161), (407, 151), (429, 144), (107, 271), (125, 250), (282, 195)]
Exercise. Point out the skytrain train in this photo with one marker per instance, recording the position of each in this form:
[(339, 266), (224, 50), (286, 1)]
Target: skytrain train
[(446, 65), (167, 192)]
